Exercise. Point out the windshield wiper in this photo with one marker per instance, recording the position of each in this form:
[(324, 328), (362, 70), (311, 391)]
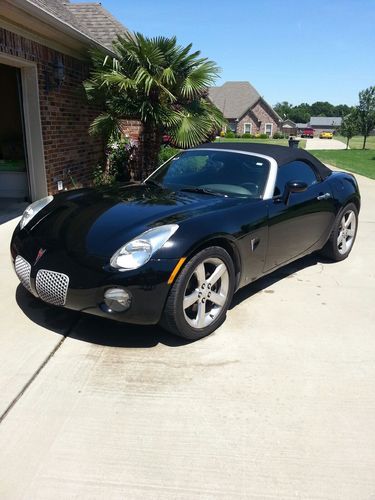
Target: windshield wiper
[(197, 189)]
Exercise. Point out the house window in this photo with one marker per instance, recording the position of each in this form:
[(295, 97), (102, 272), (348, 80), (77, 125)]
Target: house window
[(233, 126), (247, 127), (268, 129)]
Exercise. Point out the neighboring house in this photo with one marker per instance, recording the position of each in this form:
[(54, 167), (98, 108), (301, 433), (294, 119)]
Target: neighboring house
[(301, 127), (245, 109), (289, 127), (44, 140), (320, 123)]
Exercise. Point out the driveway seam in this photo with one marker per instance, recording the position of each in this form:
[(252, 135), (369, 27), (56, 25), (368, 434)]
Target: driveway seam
[(32, 378)]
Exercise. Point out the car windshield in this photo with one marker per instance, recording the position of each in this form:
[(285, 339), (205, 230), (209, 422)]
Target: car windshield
[(214, 172)]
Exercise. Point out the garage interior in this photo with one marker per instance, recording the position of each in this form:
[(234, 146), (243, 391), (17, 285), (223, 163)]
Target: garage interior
[(14, 188)]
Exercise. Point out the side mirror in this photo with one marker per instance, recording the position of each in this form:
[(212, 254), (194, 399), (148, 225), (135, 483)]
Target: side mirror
[(293, 187)]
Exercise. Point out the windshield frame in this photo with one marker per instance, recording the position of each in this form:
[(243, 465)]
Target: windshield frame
[(272, 173)]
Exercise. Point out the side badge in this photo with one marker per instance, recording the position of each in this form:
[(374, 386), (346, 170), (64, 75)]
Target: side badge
[(254, 243), (40, 254)]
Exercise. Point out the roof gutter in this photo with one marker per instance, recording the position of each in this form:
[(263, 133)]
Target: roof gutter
[(58, 24)]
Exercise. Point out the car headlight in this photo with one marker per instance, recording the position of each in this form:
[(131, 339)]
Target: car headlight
[(33, 209), (138, 251)]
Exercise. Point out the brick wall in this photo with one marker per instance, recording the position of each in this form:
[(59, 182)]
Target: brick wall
[(258, 116), (145, 158), (65, 115)]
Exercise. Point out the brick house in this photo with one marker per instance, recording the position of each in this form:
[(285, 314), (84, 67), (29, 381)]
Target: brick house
[(44, 140), (245, 109)]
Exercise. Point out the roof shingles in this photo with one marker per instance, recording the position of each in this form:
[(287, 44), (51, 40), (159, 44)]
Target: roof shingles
[(90, 19), (325, 121), (234, 98), (97, 22)]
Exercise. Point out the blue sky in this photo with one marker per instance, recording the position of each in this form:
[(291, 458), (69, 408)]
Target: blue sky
[(295, 51)]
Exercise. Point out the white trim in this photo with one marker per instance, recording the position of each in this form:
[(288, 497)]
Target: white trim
[(44, 40), (265, 128), (33, 127), (271, 181), (251, 128)]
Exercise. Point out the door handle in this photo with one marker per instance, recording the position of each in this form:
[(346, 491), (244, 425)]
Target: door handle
[(325, 196)]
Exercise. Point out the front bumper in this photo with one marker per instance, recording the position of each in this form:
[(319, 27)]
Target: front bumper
[(79, 283)]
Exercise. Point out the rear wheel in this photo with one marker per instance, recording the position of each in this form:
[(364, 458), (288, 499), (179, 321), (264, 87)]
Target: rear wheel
[(200, 297), (343, 235)]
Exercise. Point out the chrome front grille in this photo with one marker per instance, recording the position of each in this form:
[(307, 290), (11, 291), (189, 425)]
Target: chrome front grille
[(52, 287), (23, 271)]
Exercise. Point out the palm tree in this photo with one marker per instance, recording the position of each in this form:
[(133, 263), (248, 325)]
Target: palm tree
[(160, 83)]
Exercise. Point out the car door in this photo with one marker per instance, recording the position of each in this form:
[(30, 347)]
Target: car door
[(306, 217)]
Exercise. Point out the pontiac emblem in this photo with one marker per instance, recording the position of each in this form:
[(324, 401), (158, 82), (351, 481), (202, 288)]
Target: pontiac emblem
[(40, 254)]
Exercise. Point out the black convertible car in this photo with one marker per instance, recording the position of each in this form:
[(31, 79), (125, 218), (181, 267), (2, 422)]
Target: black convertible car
[(174, 248)]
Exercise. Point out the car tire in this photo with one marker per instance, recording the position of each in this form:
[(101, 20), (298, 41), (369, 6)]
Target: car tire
[(190, 311), (344, 232)]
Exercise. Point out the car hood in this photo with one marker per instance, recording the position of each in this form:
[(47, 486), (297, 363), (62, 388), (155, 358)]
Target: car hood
[(98, 222)]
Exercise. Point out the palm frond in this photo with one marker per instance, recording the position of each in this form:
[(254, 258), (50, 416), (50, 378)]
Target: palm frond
[(105, 125)]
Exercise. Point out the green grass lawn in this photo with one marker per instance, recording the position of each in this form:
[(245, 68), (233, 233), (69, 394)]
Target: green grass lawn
[(354, 160), (357, 141), (279, 142)]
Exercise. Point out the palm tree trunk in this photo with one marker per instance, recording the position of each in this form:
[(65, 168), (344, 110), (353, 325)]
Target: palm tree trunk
[(149, 150)]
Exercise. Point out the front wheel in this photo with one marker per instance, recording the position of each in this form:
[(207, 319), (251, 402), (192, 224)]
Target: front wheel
[(343, 235), (200, 297)]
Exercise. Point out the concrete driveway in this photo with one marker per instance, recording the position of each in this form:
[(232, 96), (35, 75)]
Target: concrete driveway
[(317, 143), (278, 403)]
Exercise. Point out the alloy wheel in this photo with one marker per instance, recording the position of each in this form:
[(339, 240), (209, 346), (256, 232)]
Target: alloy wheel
[(206, 292), (347, 231)]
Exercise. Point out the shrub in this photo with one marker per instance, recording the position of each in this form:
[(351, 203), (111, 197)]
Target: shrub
[(230, 135), (119, 154), (263, 136), (102, 176), (278, 135), (247, 136), (167, 152)]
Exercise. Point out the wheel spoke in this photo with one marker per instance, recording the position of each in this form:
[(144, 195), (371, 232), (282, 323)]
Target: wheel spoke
[(349, 220), (201, 315), (350, 232), (340, 238), (189, 300), (344, 245), (218, 273), (217, 299), (200, 273)]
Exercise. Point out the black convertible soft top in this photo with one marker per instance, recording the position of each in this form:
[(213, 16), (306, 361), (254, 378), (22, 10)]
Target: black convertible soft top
[(282, 154)]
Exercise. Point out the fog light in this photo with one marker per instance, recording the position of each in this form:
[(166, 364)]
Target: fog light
[(117, 299)]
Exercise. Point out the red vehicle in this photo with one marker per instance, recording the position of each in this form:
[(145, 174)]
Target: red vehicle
[(308, 132)]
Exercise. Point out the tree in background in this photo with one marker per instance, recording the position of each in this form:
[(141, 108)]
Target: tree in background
[(302, 113), (349, 127), (283, 109), (322, 108), (160, 83), (343, 110), (366, 112)]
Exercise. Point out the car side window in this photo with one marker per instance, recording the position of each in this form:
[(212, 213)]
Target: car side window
[(294, 171)]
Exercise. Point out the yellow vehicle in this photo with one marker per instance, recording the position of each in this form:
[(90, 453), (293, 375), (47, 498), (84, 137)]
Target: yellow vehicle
[(326, 135)]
